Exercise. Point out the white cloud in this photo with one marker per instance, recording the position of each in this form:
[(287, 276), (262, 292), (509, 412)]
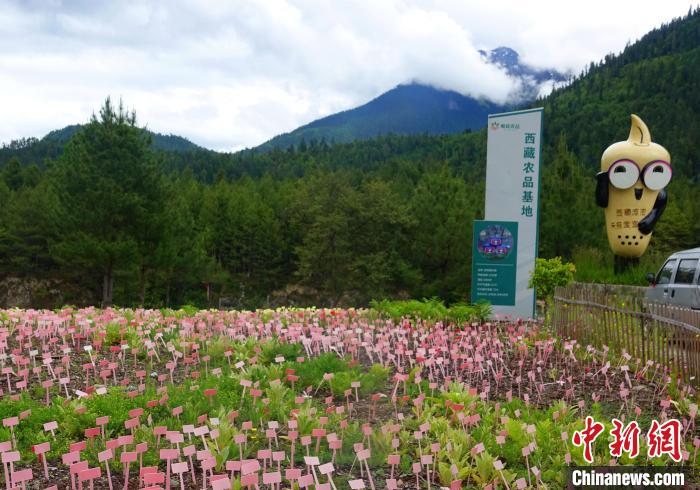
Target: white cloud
[(230, 75)]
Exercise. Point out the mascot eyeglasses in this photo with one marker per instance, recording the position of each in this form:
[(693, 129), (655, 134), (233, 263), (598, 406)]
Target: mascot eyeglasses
[(624, 173)]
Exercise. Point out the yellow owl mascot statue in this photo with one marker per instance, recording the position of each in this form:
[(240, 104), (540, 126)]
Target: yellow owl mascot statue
[(630, 187)]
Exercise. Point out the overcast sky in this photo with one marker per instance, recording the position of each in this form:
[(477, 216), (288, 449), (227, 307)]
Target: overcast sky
[(232, 74)]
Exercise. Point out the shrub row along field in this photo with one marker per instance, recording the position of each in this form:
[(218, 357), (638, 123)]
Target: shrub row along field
[(312, 399)]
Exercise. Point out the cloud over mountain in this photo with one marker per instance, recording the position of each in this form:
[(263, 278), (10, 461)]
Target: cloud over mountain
[(230, 75)]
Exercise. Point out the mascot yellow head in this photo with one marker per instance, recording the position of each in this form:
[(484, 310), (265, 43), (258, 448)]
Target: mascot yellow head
[(631, 189)]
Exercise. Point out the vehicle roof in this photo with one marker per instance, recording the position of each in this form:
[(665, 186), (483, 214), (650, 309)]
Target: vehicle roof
[(692, 251)]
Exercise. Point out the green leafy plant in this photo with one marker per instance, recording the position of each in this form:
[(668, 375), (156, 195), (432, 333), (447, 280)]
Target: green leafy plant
[(548, 275), (432, 309)]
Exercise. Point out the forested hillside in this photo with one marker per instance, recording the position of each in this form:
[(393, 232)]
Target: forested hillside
[(405, 110), (414, 108), (34, 151), (341, 223)]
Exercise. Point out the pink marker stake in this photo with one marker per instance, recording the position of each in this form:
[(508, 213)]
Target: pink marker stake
[(526, 453), (64, 382), (427, 460), (104, 457), (90, 474), (168, 455), (189, 451), (363, 456), (47, 386), (244, 383), (7, 371), (239, 439), (8, 460), (207, 465), (355, 385), (127, 457), (40, 450), (498, 465), (292, 437), (101, 422), (74, 469), (393, 460), (328, 469), (4, 447), (246, 426), (11, 422), (176, 412), (312, 462), (233, 466), (141, 448), (159, 431), (178, 469), (22, 477)]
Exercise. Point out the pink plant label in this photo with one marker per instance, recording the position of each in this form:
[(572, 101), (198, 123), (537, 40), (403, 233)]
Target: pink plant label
[(90, 474), (311, 460), (77, 467), (78, 446), (42, 448), (136, 412), (10, 457), (92, 432), (70, 457), (128, 457), (105, 455), (306, 480), (222, 483), (22, 476), (169, 453), (250, 467), (273, 477)]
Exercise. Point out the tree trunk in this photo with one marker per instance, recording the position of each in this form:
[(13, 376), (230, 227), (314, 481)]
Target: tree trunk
[(167, 292), (142, 285), (107, 287)]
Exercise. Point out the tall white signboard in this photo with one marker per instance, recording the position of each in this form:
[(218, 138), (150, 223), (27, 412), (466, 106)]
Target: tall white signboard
[(512, 195)]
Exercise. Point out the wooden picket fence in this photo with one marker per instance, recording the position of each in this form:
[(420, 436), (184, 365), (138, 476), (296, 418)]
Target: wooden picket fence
[(624, 320)]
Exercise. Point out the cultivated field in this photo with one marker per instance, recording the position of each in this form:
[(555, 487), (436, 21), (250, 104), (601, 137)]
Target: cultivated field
[(313, 398)]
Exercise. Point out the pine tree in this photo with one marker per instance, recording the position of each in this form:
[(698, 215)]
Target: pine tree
[(107, 181)]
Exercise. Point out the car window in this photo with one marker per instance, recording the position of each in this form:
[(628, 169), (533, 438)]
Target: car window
[(686, 271), (664, 276)]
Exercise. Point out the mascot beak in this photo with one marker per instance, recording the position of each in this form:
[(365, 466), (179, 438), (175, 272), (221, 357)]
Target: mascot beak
[(638, 193)]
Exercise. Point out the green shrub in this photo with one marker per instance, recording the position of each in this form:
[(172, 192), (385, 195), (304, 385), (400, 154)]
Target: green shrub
[(432, 309), (550, 273)]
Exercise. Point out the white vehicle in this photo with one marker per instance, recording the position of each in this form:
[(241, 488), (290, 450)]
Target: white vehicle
[(678, 280)]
